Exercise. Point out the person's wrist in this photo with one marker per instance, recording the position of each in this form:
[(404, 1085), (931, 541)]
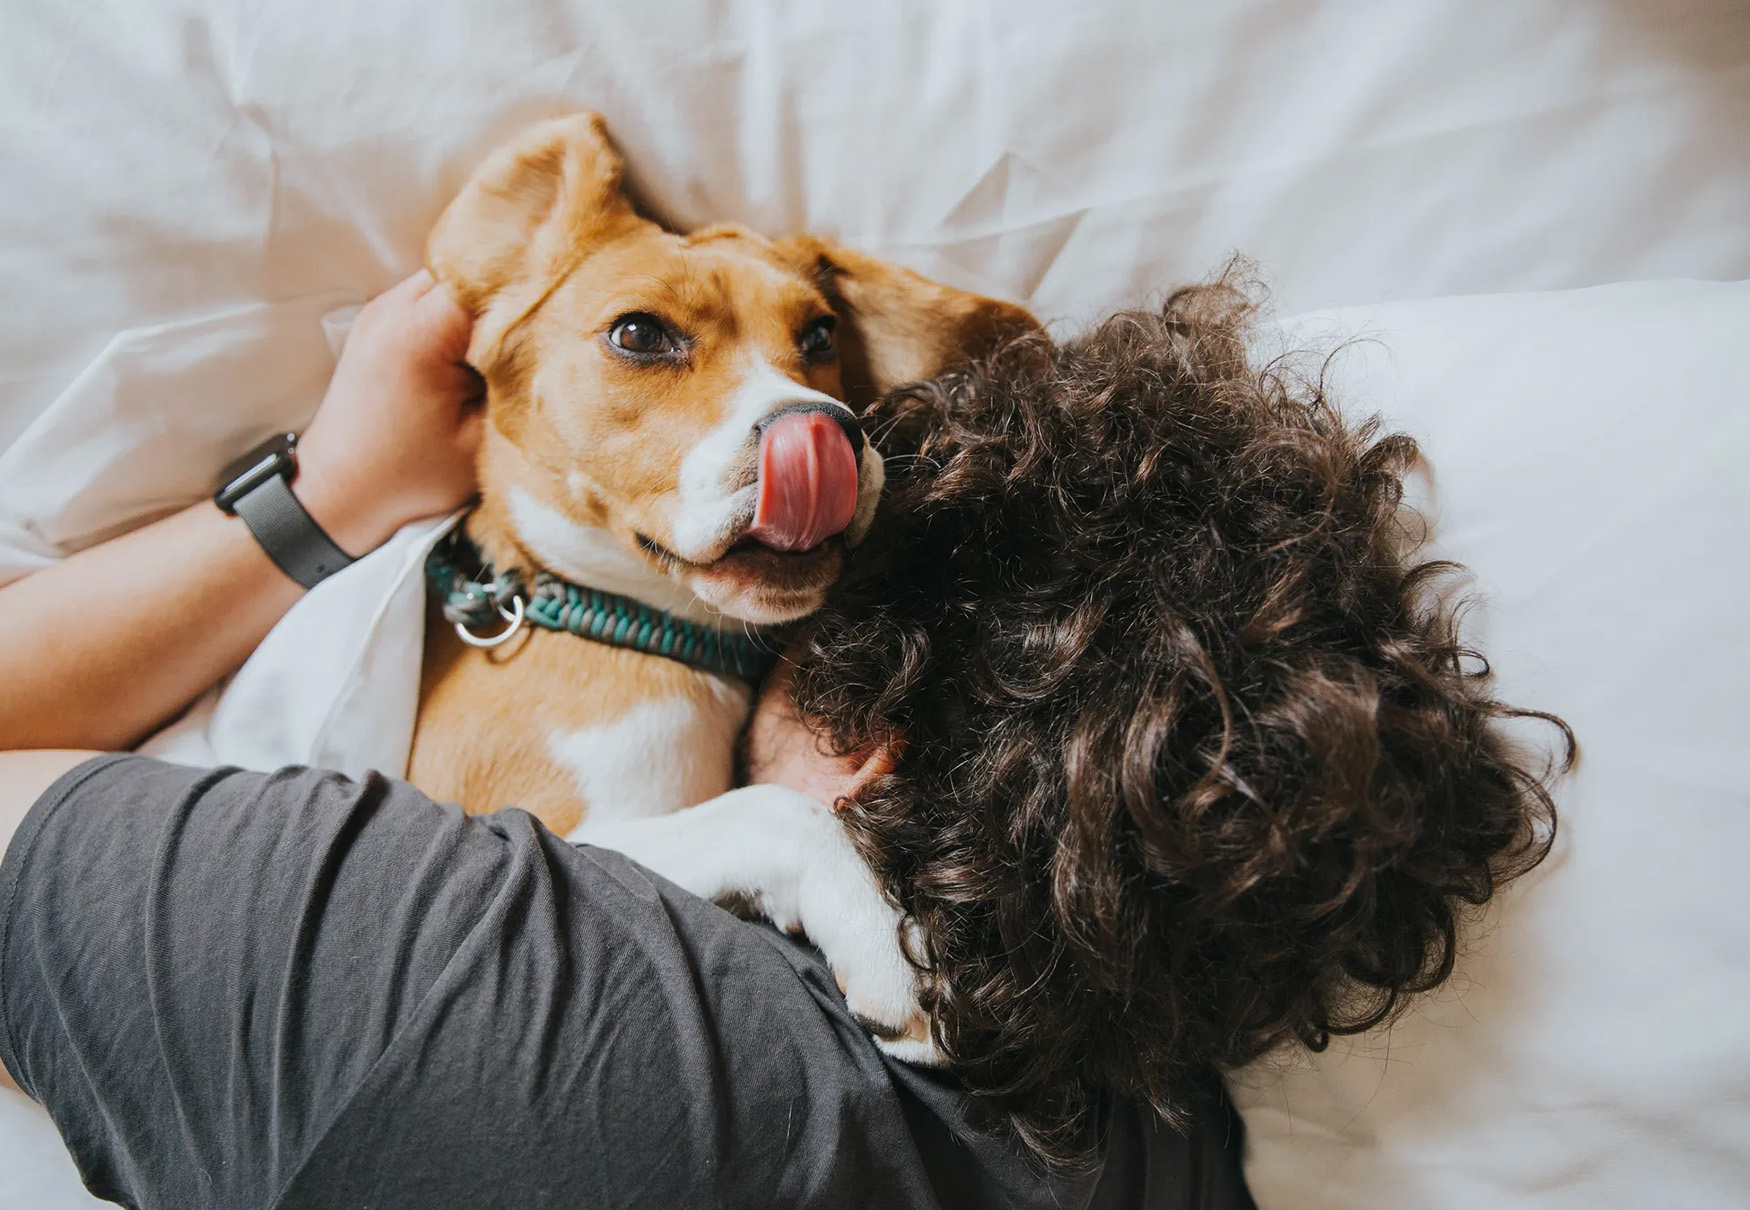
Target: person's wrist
[(351, 514)]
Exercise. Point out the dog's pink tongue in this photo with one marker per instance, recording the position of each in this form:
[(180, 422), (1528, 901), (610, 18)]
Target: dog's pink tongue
[(808, 482)]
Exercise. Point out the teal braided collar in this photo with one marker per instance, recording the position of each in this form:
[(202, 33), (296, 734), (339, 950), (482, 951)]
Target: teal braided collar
[(480, 598)]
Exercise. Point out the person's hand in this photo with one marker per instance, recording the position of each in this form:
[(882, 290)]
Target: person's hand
[(397, 435), (782, 750)]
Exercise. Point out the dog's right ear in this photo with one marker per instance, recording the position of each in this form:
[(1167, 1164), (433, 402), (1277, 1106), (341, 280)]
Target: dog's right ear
[(523, 221), (897, 326)]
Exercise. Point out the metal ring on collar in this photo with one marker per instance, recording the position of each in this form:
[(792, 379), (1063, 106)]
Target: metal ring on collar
[(513, 615)]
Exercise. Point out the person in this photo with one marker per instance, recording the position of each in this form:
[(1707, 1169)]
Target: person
[(1190, 759), (233, 989)]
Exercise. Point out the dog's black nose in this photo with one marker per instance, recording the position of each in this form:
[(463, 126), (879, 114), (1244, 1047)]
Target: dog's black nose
[(836, 412)]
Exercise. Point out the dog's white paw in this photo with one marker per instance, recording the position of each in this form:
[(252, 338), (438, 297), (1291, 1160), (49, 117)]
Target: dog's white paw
[(790, 857), (844, 913)]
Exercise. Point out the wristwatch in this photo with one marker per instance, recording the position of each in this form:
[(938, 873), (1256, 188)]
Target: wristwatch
[(258, 488)]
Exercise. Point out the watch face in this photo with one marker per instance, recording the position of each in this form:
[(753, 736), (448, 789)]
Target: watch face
[(272, 457)]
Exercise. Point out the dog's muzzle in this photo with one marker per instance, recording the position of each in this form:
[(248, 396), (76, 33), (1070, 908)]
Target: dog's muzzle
[(809, 476)]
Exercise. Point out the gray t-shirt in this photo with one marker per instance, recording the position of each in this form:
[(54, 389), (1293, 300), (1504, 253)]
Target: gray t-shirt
[(236, 990)]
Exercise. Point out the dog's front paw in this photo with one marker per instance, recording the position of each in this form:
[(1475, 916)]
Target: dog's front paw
[(888, 1008), (846, 916), (789, 858)]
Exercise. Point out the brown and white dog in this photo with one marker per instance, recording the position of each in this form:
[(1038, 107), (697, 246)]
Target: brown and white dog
[(667, 420)]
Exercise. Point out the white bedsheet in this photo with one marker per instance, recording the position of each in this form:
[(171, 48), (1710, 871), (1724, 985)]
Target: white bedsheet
[(1591, 465), (187, 188), (160, 161)]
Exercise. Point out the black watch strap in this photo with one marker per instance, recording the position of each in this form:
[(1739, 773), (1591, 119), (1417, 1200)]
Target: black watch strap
[(289, 535)]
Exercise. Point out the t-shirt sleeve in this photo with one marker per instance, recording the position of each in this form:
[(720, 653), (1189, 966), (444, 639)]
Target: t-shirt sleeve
[(236, 990), (199, 967)]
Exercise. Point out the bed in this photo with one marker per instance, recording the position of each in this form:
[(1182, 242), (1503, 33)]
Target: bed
[(1534, 215)]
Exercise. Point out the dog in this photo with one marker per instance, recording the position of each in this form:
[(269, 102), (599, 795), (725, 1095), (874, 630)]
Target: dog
[(672, 466)]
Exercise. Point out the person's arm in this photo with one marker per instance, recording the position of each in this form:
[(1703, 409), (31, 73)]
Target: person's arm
[(103, 648), (23, 778)]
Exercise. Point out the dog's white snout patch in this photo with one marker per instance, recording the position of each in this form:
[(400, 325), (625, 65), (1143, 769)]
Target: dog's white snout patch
[(717, 477)]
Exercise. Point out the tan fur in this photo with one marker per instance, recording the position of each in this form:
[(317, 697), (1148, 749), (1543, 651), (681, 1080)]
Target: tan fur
[(544, 250), (899, 326), (511, 698)]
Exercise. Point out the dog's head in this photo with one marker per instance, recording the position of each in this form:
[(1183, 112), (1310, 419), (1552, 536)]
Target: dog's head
[(673, 406)]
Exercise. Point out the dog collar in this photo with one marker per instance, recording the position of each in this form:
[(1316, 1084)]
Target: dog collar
[(484, 597)]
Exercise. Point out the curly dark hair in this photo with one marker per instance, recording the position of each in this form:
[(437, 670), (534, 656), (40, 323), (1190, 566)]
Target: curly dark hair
[(1194, 761)]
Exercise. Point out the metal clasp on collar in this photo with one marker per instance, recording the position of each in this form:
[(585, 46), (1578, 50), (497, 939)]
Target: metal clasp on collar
[(471, 603), (513, 616)]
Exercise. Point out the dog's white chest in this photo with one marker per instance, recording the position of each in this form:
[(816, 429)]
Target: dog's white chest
[(659, 756)]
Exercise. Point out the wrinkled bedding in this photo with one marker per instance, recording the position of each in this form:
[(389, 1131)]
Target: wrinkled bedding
[(194, 193)]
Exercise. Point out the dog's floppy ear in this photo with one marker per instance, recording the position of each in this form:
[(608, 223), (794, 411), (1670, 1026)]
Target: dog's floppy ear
[(522, 221), (896, 326)]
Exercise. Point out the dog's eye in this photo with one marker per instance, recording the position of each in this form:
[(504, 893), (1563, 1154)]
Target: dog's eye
[(644, 335), (816, 339)]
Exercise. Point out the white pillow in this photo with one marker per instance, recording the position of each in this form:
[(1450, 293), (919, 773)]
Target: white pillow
[(1591, 462)]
